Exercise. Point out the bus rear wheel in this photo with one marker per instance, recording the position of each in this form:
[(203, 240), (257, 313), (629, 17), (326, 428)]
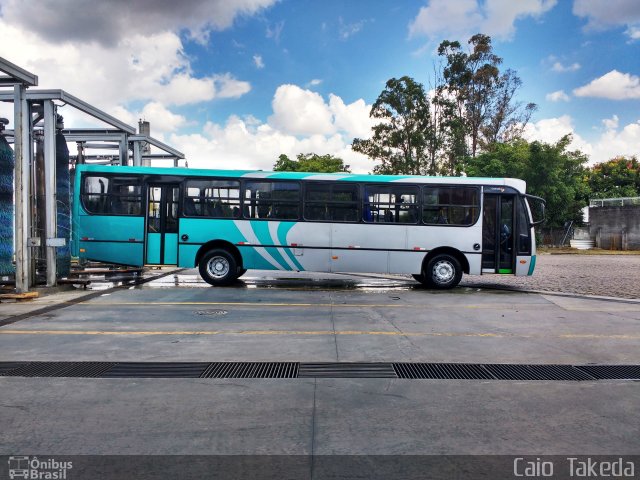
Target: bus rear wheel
[(218, 267), (443, 271)]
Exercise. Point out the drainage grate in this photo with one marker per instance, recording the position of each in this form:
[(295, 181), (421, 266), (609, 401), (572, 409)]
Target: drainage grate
[(7, 367), (442, 371), (251, 370), (536, 372), (155, 370), (612, 372), (61, 369), (347, 370)]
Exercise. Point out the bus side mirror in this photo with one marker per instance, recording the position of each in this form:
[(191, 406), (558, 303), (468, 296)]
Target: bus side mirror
[(537, 209)]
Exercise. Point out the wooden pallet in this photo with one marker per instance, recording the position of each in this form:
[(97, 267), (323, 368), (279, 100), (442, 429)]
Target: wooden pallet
[(19, 297)]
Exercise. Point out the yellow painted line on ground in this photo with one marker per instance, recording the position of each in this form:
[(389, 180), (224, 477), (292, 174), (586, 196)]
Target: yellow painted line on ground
[(251, 332), (312, 333), (589, 335), (312, 305)]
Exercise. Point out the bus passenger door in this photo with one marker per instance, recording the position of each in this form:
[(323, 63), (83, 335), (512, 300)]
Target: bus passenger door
[(498, 252), (161, 244)]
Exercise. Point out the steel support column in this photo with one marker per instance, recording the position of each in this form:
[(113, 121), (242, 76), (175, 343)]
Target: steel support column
[(50, 199), (22, 150), (137, 153), (124, 150)]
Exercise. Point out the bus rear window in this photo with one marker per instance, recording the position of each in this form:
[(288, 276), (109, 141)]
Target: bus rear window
[(212, 198), (450, 205), (112, 195)]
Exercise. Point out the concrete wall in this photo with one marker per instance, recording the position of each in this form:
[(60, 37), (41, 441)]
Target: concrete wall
[(615, 228)]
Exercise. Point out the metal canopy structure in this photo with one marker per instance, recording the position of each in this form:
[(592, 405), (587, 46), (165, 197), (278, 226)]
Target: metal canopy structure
[(35, 122), (13, 75), (20, 80), (124, 134)]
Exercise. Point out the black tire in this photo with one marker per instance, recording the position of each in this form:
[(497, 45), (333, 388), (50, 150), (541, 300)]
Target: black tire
[(443, 271), (218, 267), (241, 271), (419, 278)]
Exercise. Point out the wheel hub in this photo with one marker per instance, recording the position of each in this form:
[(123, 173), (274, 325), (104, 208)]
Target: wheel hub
[(443, 271), (218, 267)]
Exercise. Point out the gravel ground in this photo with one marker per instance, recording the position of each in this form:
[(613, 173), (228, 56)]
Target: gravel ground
[(606, 275)]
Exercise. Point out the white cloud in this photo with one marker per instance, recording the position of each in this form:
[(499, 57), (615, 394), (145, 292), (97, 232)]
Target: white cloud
[(315, 82), (613, 85), (462, 18), (610, 143), (348, 30), (633, 32), (557, 96), (139, 69), (550, 130), (559, 67), (611, 123), (106, 22), (259, 63), (353, 119), (601, 15), (229, 87), (274, 32), (302, 122), (161, 119), (300, 112), (240, 144), (614, 142), (297, 111)]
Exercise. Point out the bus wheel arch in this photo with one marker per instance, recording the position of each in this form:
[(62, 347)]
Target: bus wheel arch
[(443, 267)]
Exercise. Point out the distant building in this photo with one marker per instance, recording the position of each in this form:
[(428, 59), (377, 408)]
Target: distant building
[(614, 223)]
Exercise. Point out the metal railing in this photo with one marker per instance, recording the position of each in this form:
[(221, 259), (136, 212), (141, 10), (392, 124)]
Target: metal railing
[(614, 202)]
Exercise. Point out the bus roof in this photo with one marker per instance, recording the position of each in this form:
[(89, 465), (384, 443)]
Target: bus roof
[(519, 185)]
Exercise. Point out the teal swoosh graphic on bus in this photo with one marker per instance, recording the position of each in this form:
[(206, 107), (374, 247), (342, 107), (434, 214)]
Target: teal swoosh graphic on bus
[(283, 230), (248, 230), (261, 229)]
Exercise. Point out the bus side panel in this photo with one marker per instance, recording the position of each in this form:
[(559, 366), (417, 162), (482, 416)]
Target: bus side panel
[(262, 245), (187, 255), (113, 239), (154, 241), (406, 262), (523, 264), (475, 263), (365, 247), (310, 234)]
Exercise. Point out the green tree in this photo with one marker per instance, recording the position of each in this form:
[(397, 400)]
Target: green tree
[(619, 177), (310, 162), (471, 106), (483, 98), (399, 141), (550, 170)]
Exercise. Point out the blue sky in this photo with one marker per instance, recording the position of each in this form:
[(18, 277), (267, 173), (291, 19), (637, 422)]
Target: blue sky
[(238, 83)]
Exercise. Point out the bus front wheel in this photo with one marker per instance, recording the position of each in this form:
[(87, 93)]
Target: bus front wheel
[(443, 271), (218, 267)]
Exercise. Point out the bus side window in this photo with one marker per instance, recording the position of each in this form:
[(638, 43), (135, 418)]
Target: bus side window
[(390, 204), (449, 205), (212, 198)]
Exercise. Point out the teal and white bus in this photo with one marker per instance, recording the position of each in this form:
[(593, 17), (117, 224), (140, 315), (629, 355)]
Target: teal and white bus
[(227, 221)]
